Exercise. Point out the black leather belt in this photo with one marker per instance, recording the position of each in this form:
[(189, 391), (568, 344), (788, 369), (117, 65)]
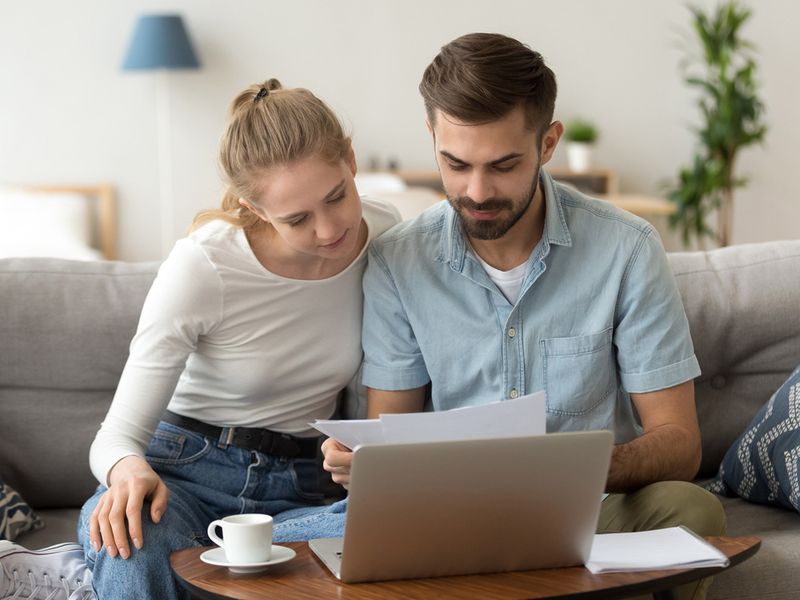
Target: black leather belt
[(250, 438)]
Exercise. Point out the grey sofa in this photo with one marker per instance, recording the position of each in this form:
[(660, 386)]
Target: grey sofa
[(65, 328)]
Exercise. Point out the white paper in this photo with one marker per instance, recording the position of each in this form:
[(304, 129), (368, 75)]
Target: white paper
[(356, 432), (510, 418), (670, 548)]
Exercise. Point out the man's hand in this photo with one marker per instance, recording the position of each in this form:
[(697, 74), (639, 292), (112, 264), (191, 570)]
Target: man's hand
[(131, 481), (337, 461), (669, 447)]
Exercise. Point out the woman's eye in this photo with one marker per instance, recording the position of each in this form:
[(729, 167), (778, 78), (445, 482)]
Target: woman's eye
[(338, 198), (298, 222)]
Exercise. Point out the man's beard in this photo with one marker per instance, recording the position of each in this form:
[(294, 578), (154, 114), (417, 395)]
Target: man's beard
[(492, 229)]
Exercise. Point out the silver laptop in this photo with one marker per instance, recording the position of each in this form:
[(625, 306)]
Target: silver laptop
[(475, 506)]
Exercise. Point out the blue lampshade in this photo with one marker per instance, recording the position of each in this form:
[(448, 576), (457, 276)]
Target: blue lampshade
[(160, 42)]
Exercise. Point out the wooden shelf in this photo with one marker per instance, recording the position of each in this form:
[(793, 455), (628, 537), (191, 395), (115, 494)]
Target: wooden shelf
[(599, 183), (641, 205)]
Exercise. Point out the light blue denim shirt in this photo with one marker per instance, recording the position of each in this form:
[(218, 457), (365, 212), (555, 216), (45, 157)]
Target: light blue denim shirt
[(599, 316)]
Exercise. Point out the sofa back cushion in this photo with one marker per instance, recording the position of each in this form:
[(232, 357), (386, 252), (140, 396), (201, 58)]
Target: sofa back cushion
[(65, 327), (743, 305)]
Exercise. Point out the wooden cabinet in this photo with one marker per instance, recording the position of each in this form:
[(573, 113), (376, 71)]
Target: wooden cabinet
[(596, 182)]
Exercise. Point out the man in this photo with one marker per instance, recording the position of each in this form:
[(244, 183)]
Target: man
[(518, 284)]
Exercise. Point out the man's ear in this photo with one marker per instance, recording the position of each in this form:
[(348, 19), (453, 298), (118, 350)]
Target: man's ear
[(350, 158), (550, 140)]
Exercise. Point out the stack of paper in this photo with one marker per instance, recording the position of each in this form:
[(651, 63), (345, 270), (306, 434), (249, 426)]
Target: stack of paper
[(670, 548), (510, 418)]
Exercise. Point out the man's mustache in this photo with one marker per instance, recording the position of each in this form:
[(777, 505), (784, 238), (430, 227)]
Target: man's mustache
[(486, 205)]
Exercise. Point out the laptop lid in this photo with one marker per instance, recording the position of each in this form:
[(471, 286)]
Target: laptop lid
[(474, 506)]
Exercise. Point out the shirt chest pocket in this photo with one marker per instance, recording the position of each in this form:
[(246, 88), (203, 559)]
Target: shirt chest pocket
[(579, 372)]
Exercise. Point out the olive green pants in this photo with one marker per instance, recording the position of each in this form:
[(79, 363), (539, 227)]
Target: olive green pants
[(666, 504)]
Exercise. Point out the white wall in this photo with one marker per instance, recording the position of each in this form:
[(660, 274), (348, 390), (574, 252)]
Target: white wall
[(69, 115)]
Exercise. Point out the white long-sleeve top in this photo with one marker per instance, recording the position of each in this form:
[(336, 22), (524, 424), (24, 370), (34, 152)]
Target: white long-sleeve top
[(223, 340)]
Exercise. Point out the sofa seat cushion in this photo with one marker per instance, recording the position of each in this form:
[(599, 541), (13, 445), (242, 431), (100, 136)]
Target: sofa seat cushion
[(762, 465), (772, 572), (60, 525)]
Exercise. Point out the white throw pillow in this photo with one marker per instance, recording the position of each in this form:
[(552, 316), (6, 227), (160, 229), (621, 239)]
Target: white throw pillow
[(45, 224)]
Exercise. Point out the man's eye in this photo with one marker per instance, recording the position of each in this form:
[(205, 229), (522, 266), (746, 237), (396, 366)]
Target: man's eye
[(504, 169), (456, 167)]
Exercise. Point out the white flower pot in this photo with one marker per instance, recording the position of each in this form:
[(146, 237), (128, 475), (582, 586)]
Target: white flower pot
[(579, 156)]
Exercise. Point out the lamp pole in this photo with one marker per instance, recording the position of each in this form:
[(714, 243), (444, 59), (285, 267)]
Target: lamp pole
[(159, 43), (166, 199)]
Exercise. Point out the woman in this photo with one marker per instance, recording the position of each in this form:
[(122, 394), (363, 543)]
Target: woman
[(249, 332)]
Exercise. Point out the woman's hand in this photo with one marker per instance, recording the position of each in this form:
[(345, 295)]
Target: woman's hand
[(337, 461), (131, 481)]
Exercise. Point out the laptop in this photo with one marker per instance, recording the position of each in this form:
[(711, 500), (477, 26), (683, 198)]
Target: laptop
[(464, 507)]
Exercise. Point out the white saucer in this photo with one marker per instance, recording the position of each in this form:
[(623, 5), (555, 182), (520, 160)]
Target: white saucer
[(278, 554)]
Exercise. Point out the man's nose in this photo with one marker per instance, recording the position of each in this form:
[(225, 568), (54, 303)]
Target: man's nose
[(479, 187)]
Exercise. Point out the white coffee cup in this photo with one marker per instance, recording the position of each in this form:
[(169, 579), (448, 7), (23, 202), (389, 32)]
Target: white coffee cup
[(247, 538)]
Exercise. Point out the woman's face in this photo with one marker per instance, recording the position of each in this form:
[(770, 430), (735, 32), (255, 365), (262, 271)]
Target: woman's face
[(312, 205)]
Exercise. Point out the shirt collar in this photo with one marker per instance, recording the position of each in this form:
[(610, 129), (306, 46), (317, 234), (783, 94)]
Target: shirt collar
[(454, 242)]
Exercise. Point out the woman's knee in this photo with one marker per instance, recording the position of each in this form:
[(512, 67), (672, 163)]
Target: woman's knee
[(147, 569)]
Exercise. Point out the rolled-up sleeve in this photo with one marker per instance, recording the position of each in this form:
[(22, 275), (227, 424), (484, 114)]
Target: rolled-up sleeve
[(392, 357), (654, 346)]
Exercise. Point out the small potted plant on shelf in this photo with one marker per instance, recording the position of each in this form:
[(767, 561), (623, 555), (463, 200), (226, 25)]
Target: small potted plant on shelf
[(581, 136)]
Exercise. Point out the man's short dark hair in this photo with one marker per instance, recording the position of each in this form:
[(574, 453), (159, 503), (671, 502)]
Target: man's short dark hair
[(481, 77)]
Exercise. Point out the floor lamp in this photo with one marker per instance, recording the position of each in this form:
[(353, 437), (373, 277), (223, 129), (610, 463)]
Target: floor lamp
[(160, 43)]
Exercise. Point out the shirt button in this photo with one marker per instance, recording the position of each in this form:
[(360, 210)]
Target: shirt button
[(512, 332), (513, 394)]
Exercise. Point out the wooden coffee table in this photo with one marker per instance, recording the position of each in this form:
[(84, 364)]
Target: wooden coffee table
[(305, 577)]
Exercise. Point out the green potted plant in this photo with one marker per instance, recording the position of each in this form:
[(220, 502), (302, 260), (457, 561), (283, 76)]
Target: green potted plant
[(732, 118), (580, 135)]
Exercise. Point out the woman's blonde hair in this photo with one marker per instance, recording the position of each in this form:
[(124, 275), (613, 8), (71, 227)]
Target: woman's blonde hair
[(271, 126)]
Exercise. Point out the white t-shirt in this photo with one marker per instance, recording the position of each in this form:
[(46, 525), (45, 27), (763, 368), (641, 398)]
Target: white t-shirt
[(223, 340), (509, 282)]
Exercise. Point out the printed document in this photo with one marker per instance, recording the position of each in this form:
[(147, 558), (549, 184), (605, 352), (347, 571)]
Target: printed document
[(509, 418)]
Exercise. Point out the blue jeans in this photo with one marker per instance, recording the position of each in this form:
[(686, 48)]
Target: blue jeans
[(205, 482)]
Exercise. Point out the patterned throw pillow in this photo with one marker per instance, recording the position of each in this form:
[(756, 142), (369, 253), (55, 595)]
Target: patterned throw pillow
[(762, 465), (15, 515)]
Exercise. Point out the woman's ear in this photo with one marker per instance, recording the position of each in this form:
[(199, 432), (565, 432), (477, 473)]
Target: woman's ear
[(253, 209)]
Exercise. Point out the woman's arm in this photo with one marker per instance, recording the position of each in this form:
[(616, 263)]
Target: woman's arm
[(183, 303)]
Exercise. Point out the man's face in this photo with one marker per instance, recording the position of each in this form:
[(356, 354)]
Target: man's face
[(490, 172)]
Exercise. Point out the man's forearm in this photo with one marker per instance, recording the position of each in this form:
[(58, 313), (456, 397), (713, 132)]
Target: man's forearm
[(402, 401), (665, 453)]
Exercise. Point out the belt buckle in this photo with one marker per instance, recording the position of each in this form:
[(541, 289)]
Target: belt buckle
[(226, 436)]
